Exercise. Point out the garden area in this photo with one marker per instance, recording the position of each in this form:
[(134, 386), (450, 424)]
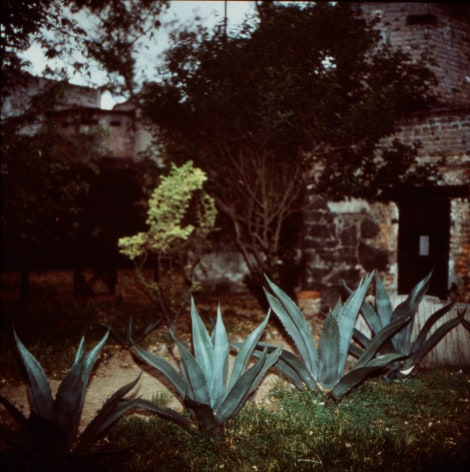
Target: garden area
[(421, 422)]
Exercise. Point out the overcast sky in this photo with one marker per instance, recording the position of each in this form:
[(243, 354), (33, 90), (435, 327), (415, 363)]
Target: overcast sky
[(180, 11)]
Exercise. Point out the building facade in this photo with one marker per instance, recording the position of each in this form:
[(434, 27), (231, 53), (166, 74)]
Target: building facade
[(421, 229)]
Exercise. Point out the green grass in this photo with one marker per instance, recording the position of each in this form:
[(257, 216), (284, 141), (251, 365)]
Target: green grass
[(422, 424)]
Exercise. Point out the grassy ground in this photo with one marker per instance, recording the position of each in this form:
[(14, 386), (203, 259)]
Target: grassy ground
[(420, 424)]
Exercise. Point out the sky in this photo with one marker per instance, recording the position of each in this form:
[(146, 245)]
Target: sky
[(180, 11)]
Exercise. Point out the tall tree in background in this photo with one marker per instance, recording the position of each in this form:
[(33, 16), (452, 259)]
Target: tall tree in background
[(302, 87), (46, 176), (82, 35)]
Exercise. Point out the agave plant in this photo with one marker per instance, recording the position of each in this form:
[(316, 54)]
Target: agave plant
[(49, 437), (323, 369), (382, 315), (211, 395)]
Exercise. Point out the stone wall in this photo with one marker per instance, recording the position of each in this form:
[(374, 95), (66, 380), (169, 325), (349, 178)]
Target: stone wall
[(344, 240)]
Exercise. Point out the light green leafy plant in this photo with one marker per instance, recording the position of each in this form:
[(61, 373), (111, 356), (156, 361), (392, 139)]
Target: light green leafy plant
[(180, 217), (323, 369), (49, 436), (381, 315), (212, 396)]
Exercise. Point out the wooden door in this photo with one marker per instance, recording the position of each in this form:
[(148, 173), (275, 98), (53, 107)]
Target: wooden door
[(423, 244)]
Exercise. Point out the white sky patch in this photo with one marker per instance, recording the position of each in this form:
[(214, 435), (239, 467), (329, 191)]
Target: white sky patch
[(180, 12)]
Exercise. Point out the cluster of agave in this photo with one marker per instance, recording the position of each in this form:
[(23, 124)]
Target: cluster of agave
[(211, 390), (390, 348)]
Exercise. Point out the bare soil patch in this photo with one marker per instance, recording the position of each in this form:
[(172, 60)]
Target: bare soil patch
[(117, 366)]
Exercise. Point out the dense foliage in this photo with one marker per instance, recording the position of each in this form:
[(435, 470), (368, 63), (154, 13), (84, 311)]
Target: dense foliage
[(82, 34), (308, 86)]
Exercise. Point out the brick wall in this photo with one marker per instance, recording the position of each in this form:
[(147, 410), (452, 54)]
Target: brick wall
[(434, 28), (442, 134)]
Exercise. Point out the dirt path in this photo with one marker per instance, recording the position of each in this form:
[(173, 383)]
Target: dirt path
[(116, 368)]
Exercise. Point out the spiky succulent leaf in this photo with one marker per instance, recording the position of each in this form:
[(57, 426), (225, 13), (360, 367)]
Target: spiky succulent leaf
[(361, 339), (163, 367), (358, 374), (382, 302), (430, 322), (167, 414), (246, 350), (329, 352), (370, 315), (196, 387), (346, 318), (402, 340), (295, 324), (220, 362), (381, 338), (245, 386), (461, 315), (110, 412), (204, 415), (70, 396), (423, 348), (39, 391), (14, 412), (203, 348), (289, 365)]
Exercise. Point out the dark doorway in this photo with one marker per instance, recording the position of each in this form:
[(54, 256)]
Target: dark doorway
[(423, 243)]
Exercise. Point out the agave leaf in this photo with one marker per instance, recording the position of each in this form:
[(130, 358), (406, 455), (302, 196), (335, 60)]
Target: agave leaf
[(382, 302), (423, 334), (196, 383), (423, 348), (162, 366), (70, 396), (167, 414), (357, 375), (220, 362), (346, 318), (360, 338), (14, 412), (204, 415), (289, 365), (295, 324), (402, 340), (111, 411), (39, 390), (245, 352), (202, 343), (465, 323), (381, 338), (370, 315), (355, 350), (328, 350), (245, 385), (80, 351)]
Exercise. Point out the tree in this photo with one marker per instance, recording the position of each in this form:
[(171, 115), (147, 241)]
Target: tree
[(180, 217), (44, 183), (47, 176), (85, 35), (306, 87)]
